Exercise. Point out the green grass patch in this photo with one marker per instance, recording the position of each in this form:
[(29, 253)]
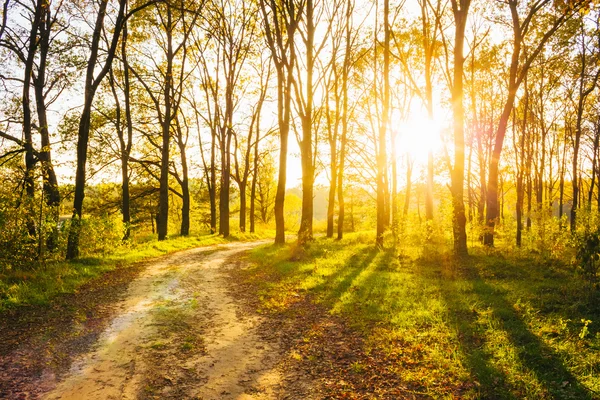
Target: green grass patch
[(43, 281), (492, 325)]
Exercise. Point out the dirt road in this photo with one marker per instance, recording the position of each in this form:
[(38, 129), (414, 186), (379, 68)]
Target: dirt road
[(177, 333)]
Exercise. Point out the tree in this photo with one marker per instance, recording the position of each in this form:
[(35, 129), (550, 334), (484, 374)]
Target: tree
[(523, 27), (47, 68), (385, 114), (460, 10), (91, 86), (587, 80), (280, 21)]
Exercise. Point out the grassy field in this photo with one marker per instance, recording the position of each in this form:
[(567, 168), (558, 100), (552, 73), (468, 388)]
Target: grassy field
[(40, 283), (489, 326)]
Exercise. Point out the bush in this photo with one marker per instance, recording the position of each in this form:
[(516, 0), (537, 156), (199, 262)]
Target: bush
[(100, 235), (587, 245), (18, 250)]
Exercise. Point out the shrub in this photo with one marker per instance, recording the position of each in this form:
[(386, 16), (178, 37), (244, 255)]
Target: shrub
[(587, 245), (18, 250)]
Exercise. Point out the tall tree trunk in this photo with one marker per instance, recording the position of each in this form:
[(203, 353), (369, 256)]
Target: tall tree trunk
[(283, 52), (306, 144), (50, 182), (83, 133), (163, 203), (332, 132), (561, 184), (394, 177), (344, 137), (243, 206), (224, 226), (332, 190), (529, 195), (254, 179), (185, 188), (212, 189), (521, 168), (382, 215), (594, 167), (459, 219), (126, 151), (30, 161), (429, 42), (284, 105)]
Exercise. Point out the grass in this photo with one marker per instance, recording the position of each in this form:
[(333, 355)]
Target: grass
[(489, 326), (39, 284)]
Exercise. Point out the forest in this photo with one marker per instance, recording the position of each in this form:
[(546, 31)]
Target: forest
[(327, 198)]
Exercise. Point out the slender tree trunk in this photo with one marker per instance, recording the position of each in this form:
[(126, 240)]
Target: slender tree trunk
[(284, 103), (394, 177), (283, 51), (343, 139), (561, 184), (332, 131), (254, 179), (91, 85), (185, 191), (212, 190), (306, 144), (521, 167), (502, 199), (409, 167), (492, 184), (242, 187), (30, 160), (382, 152), (594, 167), (163, 204), (125, 197), (529, 195), (458, 172), (224, 227), (50, 182), (332, 193)]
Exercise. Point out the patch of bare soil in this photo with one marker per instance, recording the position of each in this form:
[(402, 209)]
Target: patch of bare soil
[(176, 331)]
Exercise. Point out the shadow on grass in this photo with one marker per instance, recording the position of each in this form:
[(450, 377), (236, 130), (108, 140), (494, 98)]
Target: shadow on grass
[(471, 339), (343, 278), (534, 355), (550, 286)]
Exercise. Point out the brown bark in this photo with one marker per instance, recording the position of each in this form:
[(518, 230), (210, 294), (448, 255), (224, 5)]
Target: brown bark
[(305, 233), (345, 117), (30, 159), (126, 145), (518, 70), (91, 85), (280, 40), (382, 212), (163, 193), (50, 181), (460, 10)]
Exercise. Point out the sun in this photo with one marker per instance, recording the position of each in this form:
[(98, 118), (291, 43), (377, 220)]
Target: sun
[(417, 136)]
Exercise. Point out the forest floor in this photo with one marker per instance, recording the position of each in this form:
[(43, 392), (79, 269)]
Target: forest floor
[(335, 319), (167, 328)]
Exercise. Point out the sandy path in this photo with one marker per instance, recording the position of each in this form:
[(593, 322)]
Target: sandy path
[(179, 334)]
